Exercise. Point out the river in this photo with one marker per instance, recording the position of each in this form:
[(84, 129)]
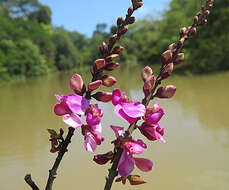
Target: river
[(195, 156)]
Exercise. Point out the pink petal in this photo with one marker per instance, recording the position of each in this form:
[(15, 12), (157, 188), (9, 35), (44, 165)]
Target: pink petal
[(118, 110), (116, 96), (143, 164), (117, 130), (134, 110), (77, 104), (97, 128), (60, 109), (89, 143), (58, 97), (73, 120), (135, 148), (126, 164)]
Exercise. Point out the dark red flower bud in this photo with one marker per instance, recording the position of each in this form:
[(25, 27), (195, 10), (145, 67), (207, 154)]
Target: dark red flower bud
[(123, 30), (120, 21), (94, 85), (130, 11), (179, 58), (118, 49), (166, 91), (112, 57), (108, 80), (196, 19), (100, 63), (136, 180), (111, 66), (103, 158), (166, 57), (146, 73), (131, 20), (103, 96), (113, 38), (76, 84), (167, 71), (103, 49)]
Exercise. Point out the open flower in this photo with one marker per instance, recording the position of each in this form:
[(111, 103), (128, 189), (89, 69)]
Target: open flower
[(72, 107), (130, 147), (151, 129), (128, 110)]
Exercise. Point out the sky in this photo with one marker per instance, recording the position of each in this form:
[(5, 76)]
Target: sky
[(83, 15)]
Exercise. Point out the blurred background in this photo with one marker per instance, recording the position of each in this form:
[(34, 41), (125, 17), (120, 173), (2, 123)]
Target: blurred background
[(43, 43)]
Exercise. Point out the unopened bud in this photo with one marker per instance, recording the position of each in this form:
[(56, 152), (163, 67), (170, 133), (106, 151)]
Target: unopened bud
[(103, 96), (113, 38), (123, 30), (167, 71), (112, 57), (183, 31), (179, 58), (136, 180), (180, 43), (149, 85), (196, 19), (206, 12), (103, 158), (130, 11), (100, 63), (146, 73), (109, 81), (166, 57), (94, 85), (131, 20), (203, 22), (111, 66), (76, 84), (120, 21), (172, 47), (103, 49), (193, 31), (118, 49), (166, 91)]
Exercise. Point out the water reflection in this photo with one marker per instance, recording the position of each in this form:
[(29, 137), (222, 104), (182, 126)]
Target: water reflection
[(195, 155)]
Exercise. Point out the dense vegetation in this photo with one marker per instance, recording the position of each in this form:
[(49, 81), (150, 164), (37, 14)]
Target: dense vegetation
[(30, 45)]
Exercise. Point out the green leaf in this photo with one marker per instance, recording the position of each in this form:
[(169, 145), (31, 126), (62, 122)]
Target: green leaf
[(52, 132)]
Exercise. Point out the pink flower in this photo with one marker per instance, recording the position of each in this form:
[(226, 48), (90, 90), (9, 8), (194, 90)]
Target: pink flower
[(72, 107), (130, 147), (151, 129), (128, 110)]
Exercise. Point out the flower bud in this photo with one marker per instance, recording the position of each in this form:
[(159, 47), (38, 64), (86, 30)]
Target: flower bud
[(131, 20), (146, 73), (136, 180), (76, 84), (118, 49), (196, 19), (166, 57), (193, 31), (130, 11), (203, 22), (112, 57), (120, 21), (103, 49), (149, 85), (172, 47), (183, 31), (103, 96), (180, 43), (100, 63), (123, 30), (111, 66), (103, 158), (206, 12), (179, 58), (108, 80), (94, 85), (113, 38), (167, 71), (166, 91)]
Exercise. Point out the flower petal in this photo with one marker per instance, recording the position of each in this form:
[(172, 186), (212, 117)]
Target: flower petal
[(143, 164), (126, 164), (135, 148), (118, 110), (89, 143), (116, 96), (117, 130), (97, 128), (77, 104), (60, 109), (73, 120), (134, 110)]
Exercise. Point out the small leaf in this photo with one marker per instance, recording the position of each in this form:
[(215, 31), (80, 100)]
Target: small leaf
[(52, 132)]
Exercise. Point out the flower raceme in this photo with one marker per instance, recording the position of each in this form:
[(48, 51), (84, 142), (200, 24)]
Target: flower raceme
[(72, 107), (126, 109)]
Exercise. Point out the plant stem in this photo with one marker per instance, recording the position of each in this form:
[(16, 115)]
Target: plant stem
[(63, 149)]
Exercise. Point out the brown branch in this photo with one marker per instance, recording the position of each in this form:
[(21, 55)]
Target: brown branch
[(30, 182), (63, 149)]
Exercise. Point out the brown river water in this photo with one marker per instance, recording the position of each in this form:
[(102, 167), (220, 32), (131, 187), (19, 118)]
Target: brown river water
[(195, 156)]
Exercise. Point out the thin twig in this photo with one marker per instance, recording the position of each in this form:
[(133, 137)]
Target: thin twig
[(63, 149), (30, 182)]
